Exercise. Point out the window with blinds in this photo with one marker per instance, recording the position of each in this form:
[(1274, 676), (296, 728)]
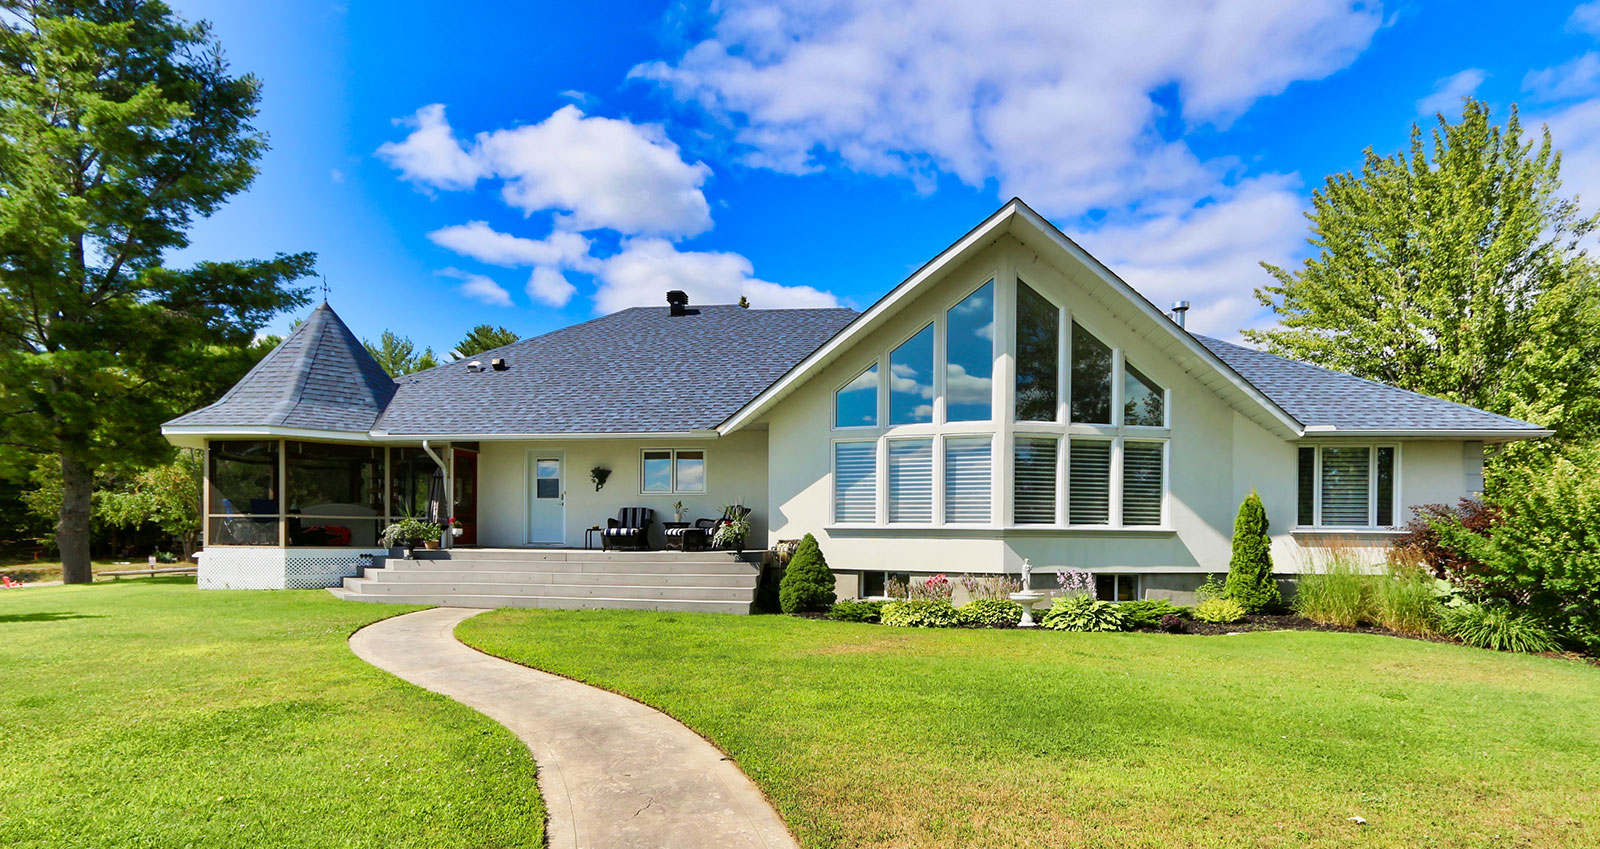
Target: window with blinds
[(1346, 486), (1034, 481), (1089, 482), (966, 479), (855, 482), (1141, 483), (911, 480)]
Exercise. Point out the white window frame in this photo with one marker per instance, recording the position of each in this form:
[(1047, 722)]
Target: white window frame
[(880, 405), (672, 459), (1372, 487)]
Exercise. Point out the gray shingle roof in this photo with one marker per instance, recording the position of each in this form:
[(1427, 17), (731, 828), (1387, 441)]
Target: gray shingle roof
[(641, 370), (1317, 396), (320, 378)]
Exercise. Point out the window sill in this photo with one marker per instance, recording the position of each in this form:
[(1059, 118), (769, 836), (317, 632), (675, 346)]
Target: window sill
[(999, 531), (1304, 531)]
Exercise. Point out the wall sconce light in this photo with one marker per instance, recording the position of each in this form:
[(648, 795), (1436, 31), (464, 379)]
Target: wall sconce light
[(598, 474)]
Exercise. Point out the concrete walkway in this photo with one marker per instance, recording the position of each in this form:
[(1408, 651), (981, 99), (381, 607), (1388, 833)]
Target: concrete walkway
[(613, 772)]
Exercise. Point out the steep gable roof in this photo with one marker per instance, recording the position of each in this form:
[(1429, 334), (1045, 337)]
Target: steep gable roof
[(320, 378), (1322, 399), (1019, 221), (641, 370)]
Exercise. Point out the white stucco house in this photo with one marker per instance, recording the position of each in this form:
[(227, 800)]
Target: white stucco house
[(1012, 399)]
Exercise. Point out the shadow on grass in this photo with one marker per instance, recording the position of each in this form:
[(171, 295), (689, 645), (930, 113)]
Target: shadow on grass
[(46, 616)]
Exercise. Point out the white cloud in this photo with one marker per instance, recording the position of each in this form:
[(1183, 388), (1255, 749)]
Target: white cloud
[(1586, 18), (1575, 131), (430, 155), (646, 268), (606, 172), (478, 240), (1579, 77), (1053, 100), (1447, 93), (596, 172), (549, 286), (479, 287), (1209, 255)]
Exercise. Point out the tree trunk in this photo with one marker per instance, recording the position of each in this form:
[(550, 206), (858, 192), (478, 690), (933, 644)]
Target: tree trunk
[(72, 529)]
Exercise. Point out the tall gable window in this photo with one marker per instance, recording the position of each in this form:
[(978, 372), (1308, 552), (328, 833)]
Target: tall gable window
[(1091, 378), (1082, 441), (1038, 356), (1142, 400), (1346, 486), (969, 358), (911, 380), (856, 403)]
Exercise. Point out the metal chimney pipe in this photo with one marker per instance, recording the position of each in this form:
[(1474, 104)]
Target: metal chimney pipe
[(1180, 309)]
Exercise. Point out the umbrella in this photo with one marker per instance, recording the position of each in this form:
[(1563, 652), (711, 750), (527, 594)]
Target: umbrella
[(436, 509)]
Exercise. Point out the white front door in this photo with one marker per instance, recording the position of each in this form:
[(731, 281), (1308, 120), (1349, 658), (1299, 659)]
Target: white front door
[(547, 499)]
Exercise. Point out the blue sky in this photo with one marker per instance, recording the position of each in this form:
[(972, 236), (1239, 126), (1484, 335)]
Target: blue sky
[(536, 164)]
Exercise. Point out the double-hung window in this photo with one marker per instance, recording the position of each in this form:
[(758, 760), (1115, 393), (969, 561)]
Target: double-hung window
[(1346, 486)]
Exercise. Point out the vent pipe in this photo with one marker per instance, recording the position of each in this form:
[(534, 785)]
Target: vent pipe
[(1180, 309), (678, 300)]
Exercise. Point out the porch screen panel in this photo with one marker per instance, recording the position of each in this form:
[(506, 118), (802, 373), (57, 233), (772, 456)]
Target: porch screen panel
[(855, 482), (911, 480), (1089, 482), (966, 479), (1346, 479), (1141, 483), (1034, 481)]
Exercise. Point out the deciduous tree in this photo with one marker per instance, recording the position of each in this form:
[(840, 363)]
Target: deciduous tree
[(398, 355), (1454, 269)]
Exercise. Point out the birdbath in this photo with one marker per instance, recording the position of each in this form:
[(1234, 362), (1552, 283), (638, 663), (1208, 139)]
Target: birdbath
[(1027, 597)]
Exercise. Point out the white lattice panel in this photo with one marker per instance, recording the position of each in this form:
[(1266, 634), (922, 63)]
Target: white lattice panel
[(278, 568), (305, 569)]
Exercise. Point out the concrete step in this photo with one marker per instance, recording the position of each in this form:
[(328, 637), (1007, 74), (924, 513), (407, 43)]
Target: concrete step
[(679, 566), (367, 586), (746, 579), (493, 601), (560, 554)]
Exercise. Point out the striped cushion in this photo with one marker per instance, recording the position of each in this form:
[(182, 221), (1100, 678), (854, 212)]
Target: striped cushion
[(622, 532), (678, 532)]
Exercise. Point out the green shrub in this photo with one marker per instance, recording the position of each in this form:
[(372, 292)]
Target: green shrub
[(1083, 613), (1497, 627), (1406, 601), (851, 610), (1219, 611), (1210, 588), (1147, 612), (921, 613), (1336, 594), (1250, 570), (1544, 555), (990, 612), (808, 583)]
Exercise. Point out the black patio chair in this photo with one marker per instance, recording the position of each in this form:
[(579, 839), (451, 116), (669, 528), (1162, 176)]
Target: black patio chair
[(631, 527)]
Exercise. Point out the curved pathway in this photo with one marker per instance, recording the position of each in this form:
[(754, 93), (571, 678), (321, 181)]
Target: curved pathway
[(613, 772)]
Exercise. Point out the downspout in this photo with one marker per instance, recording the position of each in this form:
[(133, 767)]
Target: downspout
[(446, 539)]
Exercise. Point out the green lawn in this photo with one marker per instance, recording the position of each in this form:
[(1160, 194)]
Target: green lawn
[(871, 736), (146, 713), (38, 571)]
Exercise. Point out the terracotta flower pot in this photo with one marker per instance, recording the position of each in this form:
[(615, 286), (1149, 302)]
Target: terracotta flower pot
[(431, 544)]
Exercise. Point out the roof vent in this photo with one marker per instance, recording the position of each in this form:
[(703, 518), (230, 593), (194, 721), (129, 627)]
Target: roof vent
[(474, 366), (1180, 310), (678, 300), (498, 364)]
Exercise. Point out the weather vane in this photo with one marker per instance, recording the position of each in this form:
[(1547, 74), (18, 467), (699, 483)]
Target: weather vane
[(324, 288)]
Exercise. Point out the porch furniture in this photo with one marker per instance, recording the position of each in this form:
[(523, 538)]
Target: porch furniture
[(631, 527), (589, 536), (708, 527), (683, 536)]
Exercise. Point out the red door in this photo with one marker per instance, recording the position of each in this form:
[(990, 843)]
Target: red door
[(466, 496)]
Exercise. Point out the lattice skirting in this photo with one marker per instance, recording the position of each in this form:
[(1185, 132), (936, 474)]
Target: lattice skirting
[(281, 568)]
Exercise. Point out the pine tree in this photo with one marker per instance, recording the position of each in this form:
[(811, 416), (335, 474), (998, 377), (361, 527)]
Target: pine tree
[(808, 583), (1250, 569), (484, 337)]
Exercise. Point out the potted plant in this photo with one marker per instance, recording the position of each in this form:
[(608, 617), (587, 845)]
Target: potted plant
[(731, 532), (455, 527), (408, 532), (677, 511)]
